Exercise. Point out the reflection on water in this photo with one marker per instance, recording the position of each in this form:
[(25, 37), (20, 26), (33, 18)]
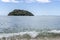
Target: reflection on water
[(30, 23)]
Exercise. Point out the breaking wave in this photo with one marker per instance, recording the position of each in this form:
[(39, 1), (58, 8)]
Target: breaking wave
[(54, 31), (33, 34)]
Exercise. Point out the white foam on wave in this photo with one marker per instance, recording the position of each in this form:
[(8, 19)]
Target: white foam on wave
[(31, 33), (8, 35), (54, 31)]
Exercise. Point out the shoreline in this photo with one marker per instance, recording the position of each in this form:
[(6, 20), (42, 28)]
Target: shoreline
[(32, 35), (19, 36), (42, 38)]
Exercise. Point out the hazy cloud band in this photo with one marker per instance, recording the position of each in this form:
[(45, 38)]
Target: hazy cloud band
[(27, 1)]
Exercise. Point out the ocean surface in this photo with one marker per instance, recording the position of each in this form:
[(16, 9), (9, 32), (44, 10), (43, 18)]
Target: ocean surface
[(30, 24)]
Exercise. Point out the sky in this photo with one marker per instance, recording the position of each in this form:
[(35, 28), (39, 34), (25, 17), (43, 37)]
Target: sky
[(37, 7)]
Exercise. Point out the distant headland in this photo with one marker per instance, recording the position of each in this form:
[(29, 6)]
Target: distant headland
[(18, 12)]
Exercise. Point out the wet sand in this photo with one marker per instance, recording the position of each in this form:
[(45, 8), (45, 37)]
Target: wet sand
[(26, 37), (32, 39)]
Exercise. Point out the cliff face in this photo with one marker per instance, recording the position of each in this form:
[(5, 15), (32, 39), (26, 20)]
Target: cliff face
[(18, 12)]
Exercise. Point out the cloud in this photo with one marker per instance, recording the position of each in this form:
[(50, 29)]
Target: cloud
[(43, 1), (27, 1), (39, 1), (13, 1), (5, 0)]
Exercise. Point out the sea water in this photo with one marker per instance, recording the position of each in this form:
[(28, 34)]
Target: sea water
[(32, 25)]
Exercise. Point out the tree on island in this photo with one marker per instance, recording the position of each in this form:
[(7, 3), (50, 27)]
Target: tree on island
[(18, 12)]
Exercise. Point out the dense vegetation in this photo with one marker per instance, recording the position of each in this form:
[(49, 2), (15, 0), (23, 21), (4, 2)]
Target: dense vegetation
[(18, 12)]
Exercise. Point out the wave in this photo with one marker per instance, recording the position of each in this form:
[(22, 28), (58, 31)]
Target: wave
[(33, 34), (54, 31)]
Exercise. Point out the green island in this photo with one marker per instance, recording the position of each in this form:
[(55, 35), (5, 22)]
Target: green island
[(18, 12)]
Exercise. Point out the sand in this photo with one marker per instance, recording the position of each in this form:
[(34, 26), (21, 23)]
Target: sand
[(18, 37)]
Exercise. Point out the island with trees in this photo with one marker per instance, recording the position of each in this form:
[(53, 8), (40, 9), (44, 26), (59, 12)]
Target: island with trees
[(18, 12)]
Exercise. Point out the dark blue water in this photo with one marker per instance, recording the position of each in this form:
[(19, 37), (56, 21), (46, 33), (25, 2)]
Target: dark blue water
[(12, 24)]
